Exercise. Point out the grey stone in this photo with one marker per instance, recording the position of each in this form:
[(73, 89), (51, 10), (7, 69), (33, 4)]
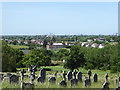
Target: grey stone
[(28, 86), (63, 83), (64, 75), (74, 74), (79, 76), (69, 75), (87, 82), (43, 73), (95, 77), (52, 79), (105, 86), (14, 79), (40, 79), (73, 82)]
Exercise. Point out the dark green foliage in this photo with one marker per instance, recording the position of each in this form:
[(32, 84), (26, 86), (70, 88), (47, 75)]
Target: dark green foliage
[(39, 57), (8, 58), (76, 58), (62, 54)]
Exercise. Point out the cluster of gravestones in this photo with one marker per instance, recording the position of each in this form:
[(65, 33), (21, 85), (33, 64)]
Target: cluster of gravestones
[(72, 76)]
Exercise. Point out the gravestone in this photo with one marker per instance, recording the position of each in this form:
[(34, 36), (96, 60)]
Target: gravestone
[(14, 79), (52, 79), (87, 82), (27, 86), (63, 83), (106, 77), (40, 79), (1, 77), (69, 75), (105, 86), (89, 73), (64, 75), (43, 73), (118, 88), (74, 74), (79, 76), (74, 82), (55, 74), (95, 77)]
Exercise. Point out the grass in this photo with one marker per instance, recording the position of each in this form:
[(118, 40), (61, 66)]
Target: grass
[(101, 79), (18, 46)]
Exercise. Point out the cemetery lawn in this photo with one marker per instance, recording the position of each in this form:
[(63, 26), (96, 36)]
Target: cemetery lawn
[(101, 78)]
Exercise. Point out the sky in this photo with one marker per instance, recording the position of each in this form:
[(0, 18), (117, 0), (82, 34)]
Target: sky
[(59, 18)]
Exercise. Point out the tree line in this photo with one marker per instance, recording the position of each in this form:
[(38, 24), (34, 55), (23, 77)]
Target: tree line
[(106, 58)]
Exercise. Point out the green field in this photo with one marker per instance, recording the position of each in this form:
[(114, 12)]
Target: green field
[(101, 79), (18, 46)]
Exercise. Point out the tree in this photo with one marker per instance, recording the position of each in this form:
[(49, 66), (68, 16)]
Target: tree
[(62, 54), (44, 43), (37, 57), (76, 58), (8, 58)]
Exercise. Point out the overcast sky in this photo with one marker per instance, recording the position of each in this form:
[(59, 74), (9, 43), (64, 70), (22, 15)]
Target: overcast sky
[(59, 18)]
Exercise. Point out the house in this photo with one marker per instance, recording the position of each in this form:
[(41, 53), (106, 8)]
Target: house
[(54, 46)]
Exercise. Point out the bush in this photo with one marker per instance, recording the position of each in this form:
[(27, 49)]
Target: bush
[(113, 69)]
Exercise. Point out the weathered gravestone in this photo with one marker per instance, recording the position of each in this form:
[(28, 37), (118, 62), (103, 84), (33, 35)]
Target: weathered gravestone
[(64, 75), (1, 77), (74, 82), (69, 75), (79, 76), (87, 82), (43, 73), (63, 83), (105, 86), (95, 77), (27, 86), (74, 74), (52, 79), (40, 79), (106, 77), (14, 79), (89, 73)]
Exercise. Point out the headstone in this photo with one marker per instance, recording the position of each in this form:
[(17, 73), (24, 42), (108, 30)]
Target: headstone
[(32, 78), (1, 77), (8, 74), (63, 83), (73, 82), (52, 79), (64, 75), (27, 86), (79, 76), (106, 77), (55, 74), (43, 73), (105, 86), (69, 75), (89, 73), (14, 79), (87, 82), (40, 79), (74, 74), (95, 77)]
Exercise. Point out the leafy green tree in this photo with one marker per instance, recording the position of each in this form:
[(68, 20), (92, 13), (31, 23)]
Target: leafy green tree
[(8, 58), (76, 58), (44, 43), (37, 57)]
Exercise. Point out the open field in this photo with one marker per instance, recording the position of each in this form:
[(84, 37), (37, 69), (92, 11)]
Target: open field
[(101, 79), (18, 46)]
